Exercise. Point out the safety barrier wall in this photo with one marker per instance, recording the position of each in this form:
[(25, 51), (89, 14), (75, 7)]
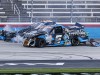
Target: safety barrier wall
[(93, 29)]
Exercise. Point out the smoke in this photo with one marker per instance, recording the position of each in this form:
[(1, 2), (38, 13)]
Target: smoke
[(17, 39), (7, 28)]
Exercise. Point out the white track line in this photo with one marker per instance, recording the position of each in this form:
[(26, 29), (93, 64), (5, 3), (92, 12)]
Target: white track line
[(13, 64)]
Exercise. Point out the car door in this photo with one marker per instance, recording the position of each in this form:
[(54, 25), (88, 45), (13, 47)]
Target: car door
[(57, 35)]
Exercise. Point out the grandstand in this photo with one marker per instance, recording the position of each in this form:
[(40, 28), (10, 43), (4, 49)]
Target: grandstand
[(85, 11)]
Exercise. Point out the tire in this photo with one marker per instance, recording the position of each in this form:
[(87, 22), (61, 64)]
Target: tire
[(75, 42), (32, 43), (25, 43), (40, 43)]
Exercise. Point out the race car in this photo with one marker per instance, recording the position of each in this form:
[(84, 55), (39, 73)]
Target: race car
[(43, 34), (77, 34), (47, 35), (7, 34)]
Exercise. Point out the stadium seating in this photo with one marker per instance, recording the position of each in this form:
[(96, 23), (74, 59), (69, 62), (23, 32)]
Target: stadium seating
[(57, 10), (64, 10), (2, 13), (7, 12)]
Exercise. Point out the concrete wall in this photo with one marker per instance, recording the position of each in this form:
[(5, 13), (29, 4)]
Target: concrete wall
[(92, 29)]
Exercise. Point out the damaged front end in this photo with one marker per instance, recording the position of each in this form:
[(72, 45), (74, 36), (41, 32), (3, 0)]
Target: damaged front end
[(36, 39)]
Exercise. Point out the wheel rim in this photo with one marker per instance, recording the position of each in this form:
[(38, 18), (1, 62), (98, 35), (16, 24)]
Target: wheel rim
[(75, 42)]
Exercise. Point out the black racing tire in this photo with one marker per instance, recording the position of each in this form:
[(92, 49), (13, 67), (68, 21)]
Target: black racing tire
[(32, 43), (75, 42), (40, 43)]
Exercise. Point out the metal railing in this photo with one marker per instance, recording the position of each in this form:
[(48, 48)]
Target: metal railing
[(12, 4), (15, 9), (71, 11), (31, 11)]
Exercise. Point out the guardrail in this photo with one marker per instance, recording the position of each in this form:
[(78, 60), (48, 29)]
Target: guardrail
[(15, 9), (12, 4)]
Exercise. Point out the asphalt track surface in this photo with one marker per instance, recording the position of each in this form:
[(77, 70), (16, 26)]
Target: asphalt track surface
[(50, 64), (15, 51), (14, 55)]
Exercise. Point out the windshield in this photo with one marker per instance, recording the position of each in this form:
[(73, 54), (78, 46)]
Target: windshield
[(38, 25), (45, 28), (42, 27)]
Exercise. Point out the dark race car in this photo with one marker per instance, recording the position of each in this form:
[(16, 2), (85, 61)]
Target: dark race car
[(6, 35), (77, 34), (47, 35), (9, 35)]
